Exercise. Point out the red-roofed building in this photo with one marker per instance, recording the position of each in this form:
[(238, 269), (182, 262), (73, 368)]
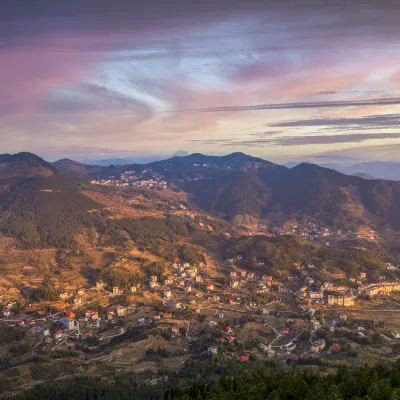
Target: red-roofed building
[(88, 335), (58, 334), (244, 358), (6, 313), (286, 330), (221, 340), (335, 347), (228, 329), (20, 322), (229, 339), (295, 358)]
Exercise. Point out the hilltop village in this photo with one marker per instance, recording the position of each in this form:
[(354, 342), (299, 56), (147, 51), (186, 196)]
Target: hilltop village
[(145, 179)]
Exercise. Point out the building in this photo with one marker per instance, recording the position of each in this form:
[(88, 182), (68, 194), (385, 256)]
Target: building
[(228, 329), (318, 346), (172, 304), (335, 347), (212, 350), (316, 295), (167, 294), (45, 331), (271, 353), (290, 346), (233, 274), (250, 275), (188, 289), (308, 281), (234, 284), (70, 314), (326, 286), (68, 324), (153, 278), (210, 286), (132, 289), (58, 334), (316, 325), (168, 281), (121, 311), (6, 313), (153, 284), (115, 290), (77, 301), (344, 301)]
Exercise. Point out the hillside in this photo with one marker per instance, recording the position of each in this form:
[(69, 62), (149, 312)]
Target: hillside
[(305, 192), (45, 211), (17, 167), (76, 169), (245, 189)]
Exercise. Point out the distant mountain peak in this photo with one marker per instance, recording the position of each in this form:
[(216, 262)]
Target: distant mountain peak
[(180, 153)]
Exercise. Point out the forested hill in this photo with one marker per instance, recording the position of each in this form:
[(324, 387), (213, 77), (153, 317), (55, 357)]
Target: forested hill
[(244, 189), (17, 167), (45, 211), (368, 383), (306, 192)]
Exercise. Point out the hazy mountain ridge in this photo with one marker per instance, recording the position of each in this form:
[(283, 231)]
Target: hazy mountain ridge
[(238, 186)]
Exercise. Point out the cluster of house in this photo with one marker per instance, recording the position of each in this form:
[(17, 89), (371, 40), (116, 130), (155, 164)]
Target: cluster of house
[(341, 297), (313, 232), (202, 223), (146, 179), (381, 288), (264, 281)]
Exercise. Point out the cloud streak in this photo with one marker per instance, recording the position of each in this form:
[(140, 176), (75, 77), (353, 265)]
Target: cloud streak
[(302, 105), (303, 140)]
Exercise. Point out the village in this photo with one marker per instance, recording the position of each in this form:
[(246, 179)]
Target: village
[(255, 315), (145, 179), (322, 234)]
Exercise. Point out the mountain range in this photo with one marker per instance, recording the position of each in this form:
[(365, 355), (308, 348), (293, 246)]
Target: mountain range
[(48, 200)]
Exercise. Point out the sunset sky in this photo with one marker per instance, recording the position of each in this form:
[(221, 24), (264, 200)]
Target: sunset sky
[(283, 80)]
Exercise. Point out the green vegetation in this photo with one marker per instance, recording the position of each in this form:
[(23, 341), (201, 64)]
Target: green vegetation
[(11, 334), (280, 253), (366, 383), (40, 218)]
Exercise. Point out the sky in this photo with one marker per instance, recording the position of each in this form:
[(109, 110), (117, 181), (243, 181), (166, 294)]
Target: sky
[(285, 80)]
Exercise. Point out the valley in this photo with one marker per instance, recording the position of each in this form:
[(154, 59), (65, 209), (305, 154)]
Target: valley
[(220, 262)]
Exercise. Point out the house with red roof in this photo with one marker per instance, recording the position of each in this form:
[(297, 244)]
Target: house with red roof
[(244, 358), (286, 331), (335, 347), (229, 339)]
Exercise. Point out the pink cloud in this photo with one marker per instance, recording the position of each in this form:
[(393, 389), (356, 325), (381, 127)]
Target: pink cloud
[(29, 73)]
